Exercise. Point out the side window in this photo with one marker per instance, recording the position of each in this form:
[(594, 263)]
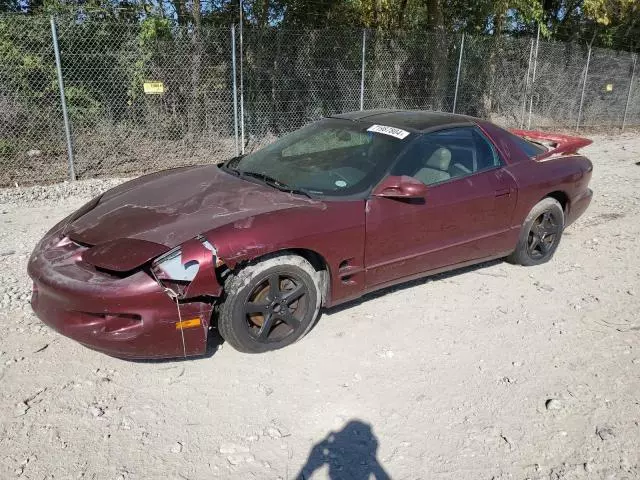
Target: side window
[(327, 140), (447, 154), (485, 151), (529, 148)]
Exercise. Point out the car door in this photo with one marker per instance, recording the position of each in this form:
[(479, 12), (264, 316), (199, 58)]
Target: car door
[(465, 214)]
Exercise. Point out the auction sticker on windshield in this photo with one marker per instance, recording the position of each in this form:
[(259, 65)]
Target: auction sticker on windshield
[(394, 132)]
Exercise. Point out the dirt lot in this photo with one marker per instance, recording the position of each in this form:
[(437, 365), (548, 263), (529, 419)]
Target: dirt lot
[(495, 372)]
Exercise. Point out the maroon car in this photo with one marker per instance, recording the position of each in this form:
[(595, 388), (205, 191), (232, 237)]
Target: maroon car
[(339, 208)]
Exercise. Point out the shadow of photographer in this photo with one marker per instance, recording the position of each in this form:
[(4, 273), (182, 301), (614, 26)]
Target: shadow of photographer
[(350, 453)]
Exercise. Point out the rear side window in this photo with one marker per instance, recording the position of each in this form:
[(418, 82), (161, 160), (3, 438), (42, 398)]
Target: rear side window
[(529, 148)]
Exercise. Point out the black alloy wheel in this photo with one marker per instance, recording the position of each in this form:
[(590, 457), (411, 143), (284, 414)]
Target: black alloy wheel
[(276, 307), (270, 304), (542, 235)]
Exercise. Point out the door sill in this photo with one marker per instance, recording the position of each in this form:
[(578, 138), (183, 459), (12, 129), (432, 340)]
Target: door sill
[(432, 272)]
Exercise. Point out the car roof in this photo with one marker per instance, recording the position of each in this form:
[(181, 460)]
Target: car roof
[(415, 120)]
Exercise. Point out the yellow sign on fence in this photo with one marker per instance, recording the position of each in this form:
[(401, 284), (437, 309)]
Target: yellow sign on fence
[(153, 88), (609, 87)]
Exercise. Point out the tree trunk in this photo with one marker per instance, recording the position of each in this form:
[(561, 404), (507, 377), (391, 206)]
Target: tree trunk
[(263, 16), (181, 14), (275, 80), (437, 61), (488, 103), (196, 60), (375, 20), (434, 14), (403, 8)]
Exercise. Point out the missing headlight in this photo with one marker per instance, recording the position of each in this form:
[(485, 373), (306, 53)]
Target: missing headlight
[(170, 267), (174, 275)]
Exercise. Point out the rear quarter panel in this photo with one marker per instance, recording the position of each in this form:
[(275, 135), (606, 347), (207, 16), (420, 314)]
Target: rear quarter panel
[(568, 176)]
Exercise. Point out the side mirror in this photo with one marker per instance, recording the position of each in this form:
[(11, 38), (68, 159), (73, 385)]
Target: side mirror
[(401, 188)]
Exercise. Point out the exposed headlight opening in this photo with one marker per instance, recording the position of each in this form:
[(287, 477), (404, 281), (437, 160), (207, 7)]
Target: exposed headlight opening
[(173, 274), (170, 267)]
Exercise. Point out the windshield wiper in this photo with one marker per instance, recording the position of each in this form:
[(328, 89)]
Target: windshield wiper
[(226, 166), (230, 170), (273, 182)]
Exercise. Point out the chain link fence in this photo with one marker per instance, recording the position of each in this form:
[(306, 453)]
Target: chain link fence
[(117, 128), (607, 88), (32, 142), (410, 70), (291, 78), (149, 95)]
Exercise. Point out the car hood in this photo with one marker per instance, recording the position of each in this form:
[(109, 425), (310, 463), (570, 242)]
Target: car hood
[(170, 207)]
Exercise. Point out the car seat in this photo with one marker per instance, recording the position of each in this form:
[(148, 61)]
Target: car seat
[(459, 170), (436, 168)]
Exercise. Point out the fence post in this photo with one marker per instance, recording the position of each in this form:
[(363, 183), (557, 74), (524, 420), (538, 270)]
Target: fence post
[(241, 85), (584, 87), (63, 101), (526, 87), (364, 49), (533, 77), (626, 107), (235, 88), (455, 95)]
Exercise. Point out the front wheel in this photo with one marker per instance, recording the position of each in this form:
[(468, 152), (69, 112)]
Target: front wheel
[(540, 234), (270, 304)]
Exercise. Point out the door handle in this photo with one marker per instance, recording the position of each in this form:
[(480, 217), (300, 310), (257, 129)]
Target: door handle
[(503, 193)]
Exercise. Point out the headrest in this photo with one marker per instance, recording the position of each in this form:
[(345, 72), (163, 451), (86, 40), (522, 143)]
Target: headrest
[(440, 159)]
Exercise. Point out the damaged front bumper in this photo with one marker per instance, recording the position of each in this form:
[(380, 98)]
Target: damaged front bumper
[(124, 315)]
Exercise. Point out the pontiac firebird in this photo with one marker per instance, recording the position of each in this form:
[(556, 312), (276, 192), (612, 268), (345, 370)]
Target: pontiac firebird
[(344, 206)]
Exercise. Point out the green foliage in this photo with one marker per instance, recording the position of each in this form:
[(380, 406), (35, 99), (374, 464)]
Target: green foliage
[(7, 148), (24, 57), (152, 31), (109, 49), (84, 109), (609, 22)]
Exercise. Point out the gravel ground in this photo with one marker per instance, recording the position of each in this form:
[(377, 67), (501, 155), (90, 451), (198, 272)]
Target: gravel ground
[(495, 372)]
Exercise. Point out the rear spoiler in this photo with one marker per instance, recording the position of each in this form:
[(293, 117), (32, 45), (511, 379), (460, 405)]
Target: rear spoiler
[(558, 144)]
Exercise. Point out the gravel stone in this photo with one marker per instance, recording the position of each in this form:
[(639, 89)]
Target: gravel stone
[(605, 433), (273, 432), (96, 411), (553, 404)]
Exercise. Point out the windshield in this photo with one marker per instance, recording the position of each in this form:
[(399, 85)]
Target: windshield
[(329, 157)]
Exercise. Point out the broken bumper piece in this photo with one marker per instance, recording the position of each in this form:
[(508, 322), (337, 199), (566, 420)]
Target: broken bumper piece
[(124, 316)]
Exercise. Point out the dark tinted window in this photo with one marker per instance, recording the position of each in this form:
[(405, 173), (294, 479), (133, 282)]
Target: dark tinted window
[(486, 153), (447, 154), (529, 148)]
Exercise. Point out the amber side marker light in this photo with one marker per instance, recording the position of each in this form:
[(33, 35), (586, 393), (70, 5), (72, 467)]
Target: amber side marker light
[(192, 322)]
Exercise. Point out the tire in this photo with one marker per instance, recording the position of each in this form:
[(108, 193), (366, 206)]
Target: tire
[(270, 304), (540, 235)]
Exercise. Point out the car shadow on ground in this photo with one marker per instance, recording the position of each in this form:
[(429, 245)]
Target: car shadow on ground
[(404, 286), (349, 453)]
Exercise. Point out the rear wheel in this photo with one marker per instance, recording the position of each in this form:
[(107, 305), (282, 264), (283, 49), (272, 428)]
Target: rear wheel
[(270, 304), (540, 235)]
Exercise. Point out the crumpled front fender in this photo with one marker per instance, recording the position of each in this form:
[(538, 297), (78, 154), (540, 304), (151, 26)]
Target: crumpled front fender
[(206, 280)]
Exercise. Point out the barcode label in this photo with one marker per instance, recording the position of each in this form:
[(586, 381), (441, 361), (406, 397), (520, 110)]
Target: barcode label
[(392, 131)]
